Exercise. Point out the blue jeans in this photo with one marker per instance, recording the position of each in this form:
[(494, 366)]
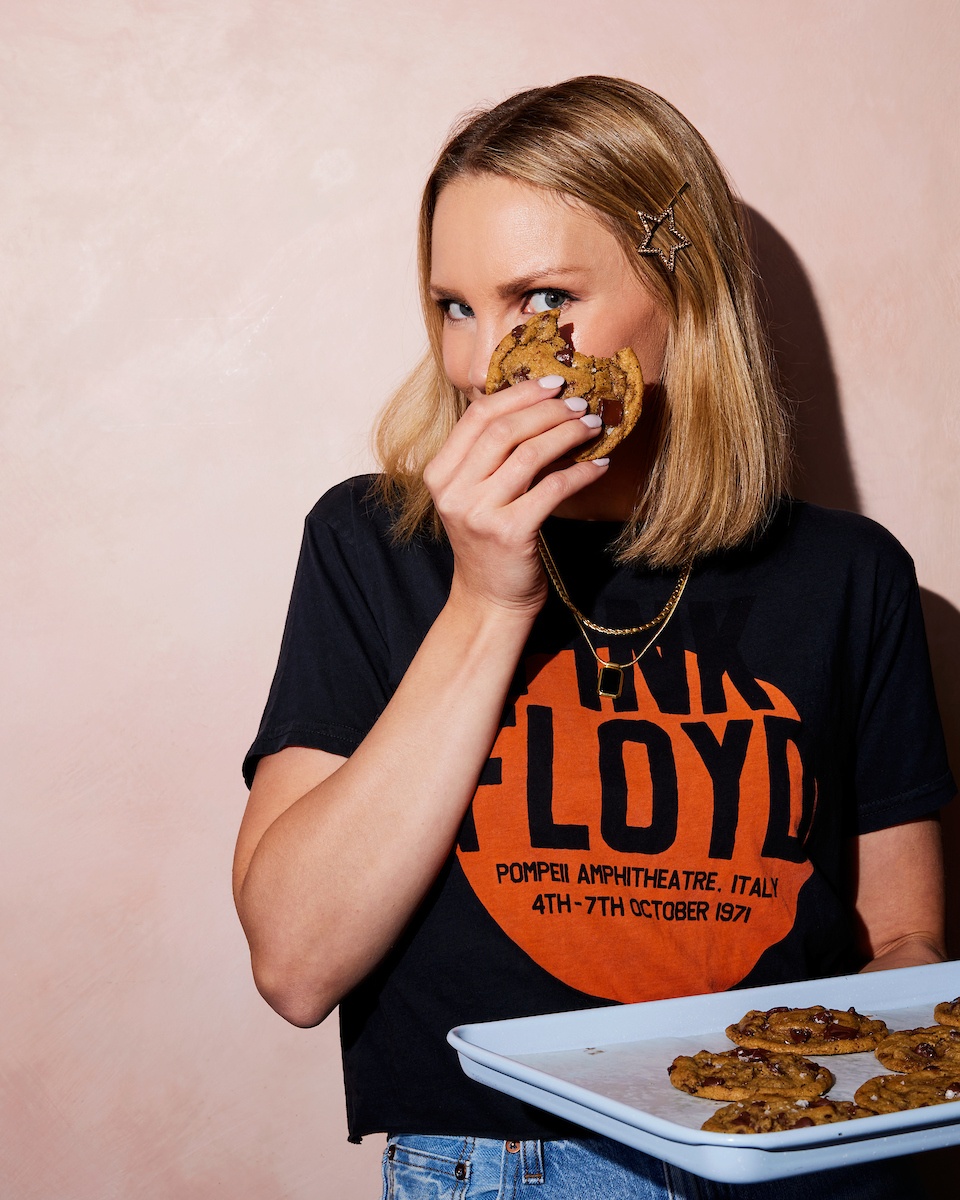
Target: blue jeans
[(466, 1168)]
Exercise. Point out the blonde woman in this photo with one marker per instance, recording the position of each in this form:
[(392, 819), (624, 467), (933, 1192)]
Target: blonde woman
[(550, 734)]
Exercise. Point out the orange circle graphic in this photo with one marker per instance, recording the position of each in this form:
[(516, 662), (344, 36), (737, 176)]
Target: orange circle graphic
[(676, 874)]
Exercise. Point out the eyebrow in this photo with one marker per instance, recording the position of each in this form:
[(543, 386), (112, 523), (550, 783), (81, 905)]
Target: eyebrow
[(515, 287)]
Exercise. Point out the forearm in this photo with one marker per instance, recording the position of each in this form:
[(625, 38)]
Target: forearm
[(337, 875), (900, 895)]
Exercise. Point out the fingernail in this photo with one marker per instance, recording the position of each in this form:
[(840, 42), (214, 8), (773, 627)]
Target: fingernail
[(600, 462), (575, 403), (551, 381), (592, 420)]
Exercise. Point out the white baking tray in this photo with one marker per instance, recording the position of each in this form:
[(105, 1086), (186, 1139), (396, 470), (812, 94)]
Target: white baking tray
[(606, 1069)]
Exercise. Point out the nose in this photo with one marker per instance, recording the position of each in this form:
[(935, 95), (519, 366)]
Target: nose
[(488, 335)]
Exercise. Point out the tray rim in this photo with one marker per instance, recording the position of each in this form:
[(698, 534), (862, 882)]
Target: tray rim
[(902, 987)]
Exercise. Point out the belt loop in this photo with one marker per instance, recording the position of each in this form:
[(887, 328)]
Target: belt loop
[(531, 1154)]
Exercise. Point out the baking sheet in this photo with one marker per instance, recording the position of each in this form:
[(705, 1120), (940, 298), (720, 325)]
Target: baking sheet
[(606, 1069)]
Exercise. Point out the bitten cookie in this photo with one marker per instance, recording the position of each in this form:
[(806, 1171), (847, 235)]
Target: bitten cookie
[(773, 1114), (815, 1030), (746, 1074), (915, 1049), (612, 387), (916, 1089), (948, 1013)]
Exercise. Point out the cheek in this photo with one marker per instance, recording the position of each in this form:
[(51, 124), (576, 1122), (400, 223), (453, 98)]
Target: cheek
[(644, 332), (456, 357), (648, 335)]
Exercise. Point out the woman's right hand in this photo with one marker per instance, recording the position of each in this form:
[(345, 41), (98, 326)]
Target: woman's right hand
[(498, 477)]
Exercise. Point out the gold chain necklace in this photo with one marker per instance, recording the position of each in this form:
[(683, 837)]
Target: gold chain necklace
[(610, 674)]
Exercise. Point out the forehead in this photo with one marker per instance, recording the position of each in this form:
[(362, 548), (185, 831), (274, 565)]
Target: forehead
[(504, 226)]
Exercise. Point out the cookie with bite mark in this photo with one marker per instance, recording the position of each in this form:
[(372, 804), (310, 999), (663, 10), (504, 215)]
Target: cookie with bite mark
[(612, 387)]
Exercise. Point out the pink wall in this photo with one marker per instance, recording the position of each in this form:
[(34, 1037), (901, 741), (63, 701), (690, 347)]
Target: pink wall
[(202, 205)]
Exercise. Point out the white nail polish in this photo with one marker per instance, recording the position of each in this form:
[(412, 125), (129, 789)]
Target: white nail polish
[(600, 462), (551, 381), (592, 420), (575, 403)]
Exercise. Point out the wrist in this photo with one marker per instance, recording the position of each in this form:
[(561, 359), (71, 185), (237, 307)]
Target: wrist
[(485, 613)]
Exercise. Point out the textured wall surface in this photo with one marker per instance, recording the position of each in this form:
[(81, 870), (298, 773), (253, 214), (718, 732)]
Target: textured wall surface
[(207, 226)]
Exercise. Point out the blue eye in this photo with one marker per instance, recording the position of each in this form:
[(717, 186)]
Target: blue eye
[(456, 310), (545, 299)]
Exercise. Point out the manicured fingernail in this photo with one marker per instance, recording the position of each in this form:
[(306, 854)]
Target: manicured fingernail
[(592, 420), (551, 381), (575, 403), (600, 462)]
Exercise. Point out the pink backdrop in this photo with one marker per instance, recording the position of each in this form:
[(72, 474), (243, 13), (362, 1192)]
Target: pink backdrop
[(201, 203)]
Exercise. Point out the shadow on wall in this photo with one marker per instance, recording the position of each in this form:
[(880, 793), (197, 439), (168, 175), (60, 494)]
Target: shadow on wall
[(943, 633), (824, 474), (822, 469)]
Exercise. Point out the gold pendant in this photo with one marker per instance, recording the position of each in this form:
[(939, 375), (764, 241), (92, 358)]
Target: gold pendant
[(610, 681)]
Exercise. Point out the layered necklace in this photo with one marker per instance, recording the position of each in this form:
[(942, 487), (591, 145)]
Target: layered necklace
[(609, 673)]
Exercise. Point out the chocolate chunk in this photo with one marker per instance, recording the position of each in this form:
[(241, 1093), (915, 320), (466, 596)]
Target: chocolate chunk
[(837, 1033), (611, 412)]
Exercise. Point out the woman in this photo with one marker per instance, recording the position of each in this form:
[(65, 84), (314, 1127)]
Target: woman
[(456, 812)]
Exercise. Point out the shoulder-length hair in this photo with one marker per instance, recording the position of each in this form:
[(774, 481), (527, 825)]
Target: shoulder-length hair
[(620, 149)]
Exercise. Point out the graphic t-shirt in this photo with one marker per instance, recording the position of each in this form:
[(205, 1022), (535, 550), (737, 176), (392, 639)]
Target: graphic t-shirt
[(687, 836)]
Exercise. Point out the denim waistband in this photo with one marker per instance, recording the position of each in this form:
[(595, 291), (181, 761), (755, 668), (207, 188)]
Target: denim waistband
[(468, 1168), (593, 1168)]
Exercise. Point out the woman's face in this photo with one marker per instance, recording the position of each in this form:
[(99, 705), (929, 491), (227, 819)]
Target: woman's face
[(503, 250)]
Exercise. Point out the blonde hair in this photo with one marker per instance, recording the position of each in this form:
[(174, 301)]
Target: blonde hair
[(617, 147)]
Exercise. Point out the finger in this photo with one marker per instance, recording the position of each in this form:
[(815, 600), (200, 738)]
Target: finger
[(527, 440), (531, 458), (484, 411), (545, 496)]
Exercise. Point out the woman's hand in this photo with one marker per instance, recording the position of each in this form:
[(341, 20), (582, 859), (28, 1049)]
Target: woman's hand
[(493, 487)]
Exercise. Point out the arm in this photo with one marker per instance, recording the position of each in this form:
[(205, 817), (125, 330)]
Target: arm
[(899, 895), (334, 855)]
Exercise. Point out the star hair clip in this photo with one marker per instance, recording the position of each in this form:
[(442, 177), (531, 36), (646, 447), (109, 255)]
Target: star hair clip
[(651, 223)]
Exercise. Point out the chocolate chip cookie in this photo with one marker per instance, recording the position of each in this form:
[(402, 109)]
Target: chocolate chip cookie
[(915, 1089), (815, 1030), (746, 1074), (612, 387), (771, 1114), (915, 1049), (948, 1013)]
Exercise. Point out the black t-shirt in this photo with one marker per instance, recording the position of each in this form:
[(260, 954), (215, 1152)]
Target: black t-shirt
[(689, 836)]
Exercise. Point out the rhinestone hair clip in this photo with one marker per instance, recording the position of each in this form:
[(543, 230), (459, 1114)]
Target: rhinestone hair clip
[(651, 223)]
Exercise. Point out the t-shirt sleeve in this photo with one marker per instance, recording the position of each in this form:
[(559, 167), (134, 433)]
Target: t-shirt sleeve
[(902, 771), (330, 684)]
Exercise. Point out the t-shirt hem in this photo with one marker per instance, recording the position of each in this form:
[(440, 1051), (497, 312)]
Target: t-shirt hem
[(334, 739), (520, 1131)]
